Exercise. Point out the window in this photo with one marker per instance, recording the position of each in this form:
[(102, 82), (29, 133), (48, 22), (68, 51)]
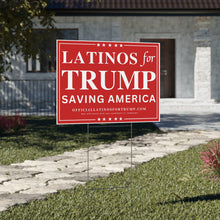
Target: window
[(46, 60)]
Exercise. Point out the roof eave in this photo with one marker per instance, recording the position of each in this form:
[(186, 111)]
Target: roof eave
[(154, 12)]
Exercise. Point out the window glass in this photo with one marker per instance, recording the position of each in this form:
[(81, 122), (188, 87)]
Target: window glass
[(45, 61)]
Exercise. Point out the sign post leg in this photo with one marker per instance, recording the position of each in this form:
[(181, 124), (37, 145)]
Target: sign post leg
[(88, 152), (88, 195), (131, 177)]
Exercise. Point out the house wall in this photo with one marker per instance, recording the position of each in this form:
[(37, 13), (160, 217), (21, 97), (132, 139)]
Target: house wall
[(202, 65), (197, 63), (133, 28), (215, 57)]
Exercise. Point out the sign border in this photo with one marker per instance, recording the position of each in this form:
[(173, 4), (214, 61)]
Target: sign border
[(130, 120)]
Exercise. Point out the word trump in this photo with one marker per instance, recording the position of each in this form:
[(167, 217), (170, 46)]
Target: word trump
[(88, 79)]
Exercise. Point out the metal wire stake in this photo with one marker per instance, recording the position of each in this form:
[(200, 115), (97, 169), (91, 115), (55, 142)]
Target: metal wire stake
[(88, 146), (131, 177), (88, 152)]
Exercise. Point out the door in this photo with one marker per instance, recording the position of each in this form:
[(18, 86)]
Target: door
[(167, 66)]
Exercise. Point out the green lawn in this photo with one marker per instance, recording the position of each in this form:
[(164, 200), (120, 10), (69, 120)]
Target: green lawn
[(165, 188), (42, 137)]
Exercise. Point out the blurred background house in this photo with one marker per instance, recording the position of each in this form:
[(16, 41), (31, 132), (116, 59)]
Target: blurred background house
[(188, 32)]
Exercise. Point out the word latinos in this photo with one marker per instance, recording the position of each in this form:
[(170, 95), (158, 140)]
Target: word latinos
[(92, 57)]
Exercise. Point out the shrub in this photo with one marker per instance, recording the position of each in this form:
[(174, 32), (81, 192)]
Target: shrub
[(211, 157), (11, 123)]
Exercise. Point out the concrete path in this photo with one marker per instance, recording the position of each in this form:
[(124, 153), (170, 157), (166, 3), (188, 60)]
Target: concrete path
[(185, 121), (23, 182)]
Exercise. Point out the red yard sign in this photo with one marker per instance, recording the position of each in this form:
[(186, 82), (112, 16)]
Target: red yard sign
[(107, 82)]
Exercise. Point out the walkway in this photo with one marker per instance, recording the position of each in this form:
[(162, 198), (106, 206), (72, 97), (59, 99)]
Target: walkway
[(186, 121), (23, 182)]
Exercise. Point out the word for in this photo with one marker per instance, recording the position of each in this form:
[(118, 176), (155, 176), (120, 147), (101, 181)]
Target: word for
[(147, 59)]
